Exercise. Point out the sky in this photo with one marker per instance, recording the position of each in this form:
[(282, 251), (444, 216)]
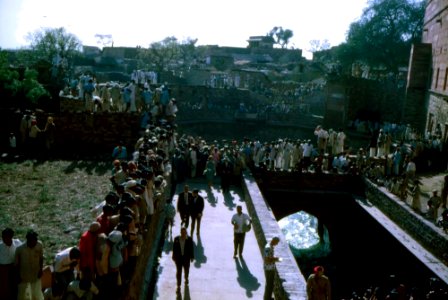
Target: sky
[(140, 22)]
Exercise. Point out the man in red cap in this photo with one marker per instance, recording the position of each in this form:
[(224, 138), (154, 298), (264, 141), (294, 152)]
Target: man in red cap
[(318, 285)]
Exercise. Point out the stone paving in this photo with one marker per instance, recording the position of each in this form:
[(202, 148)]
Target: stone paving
[(214, 274), (429, 182)]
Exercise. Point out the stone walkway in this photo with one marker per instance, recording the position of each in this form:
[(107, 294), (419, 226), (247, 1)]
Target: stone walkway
[(214, 274), (429, 182)]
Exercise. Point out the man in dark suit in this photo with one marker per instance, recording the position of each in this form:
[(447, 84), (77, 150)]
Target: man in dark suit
[(226, 171), (183, 254), (184, 205), (197, 207)]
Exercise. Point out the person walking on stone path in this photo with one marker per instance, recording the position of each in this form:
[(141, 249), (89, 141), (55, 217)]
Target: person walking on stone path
[(184, 205), (183, 255), (269, 267), (196, 209), (210, 171), (415, 191), (433, 206), (239, 234)]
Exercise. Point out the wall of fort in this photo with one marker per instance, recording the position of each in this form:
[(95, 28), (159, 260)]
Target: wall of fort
[(78, 133), (363, 99), (438, 114), (435, 33)]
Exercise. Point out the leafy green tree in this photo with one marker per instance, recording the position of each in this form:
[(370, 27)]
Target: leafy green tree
[(160, 55), (187, 52), (384, 34), (57, 48), (281, 36), (53, 43), (168, 54), (9, 78), (17, 91), (32, 89)]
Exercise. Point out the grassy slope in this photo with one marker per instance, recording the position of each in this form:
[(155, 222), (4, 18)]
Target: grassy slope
[(54, 198)]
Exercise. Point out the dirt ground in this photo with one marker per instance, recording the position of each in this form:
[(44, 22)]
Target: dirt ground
[(54, 198)]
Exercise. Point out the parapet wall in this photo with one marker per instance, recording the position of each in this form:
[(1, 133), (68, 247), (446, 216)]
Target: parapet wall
[(421, 229), (289, 281), (80, 133)]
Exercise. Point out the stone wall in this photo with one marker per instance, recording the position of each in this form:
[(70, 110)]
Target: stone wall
[(358, 98), (289, 281), (414, 109), (80, 133), (438, 114), (421, 229), (145, 272), (435, 33)]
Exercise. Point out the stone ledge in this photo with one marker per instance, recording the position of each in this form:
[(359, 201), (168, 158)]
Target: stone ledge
[(289, 281)]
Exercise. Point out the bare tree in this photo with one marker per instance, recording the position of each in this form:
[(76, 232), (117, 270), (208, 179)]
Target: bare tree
[(318, 45), (105, 40)]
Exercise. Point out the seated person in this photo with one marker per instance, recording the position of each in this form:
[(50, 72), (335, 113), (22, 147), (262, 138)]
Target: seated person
[(53, 293), (81, 290)]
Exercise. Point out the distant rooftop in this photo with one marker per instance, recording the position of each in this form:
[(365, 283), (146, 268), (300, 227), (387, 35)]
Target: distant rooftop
[(261, 41)]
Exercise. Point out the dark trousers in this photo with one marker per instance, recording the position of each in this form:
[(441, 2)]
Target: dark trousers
[(225, 182), (194, 220), (62, 279), (183, 263), (269, 288), (238, 242), (8, 286), (185, 218)]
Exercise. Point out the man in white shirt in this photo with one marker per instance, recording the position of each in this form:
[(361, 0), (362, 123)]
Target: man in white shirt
[(306, 157), (8, 247), (238, 221), (64, 265)]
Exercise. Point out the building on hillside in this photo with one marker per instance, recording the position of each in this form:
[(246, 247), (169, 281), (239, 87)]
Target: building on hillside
[(427, 85), (90, 51), (261, 42), (213, 64)]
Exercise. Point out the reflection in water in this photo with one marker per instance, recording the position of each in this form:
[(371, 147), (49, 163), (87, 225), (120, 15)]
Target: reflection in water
[(303, 234)]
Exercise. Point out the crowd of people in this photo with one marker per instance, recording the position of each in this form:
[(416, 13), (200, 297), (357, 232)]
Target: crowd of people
[(32, 138), (140, 94), (391, 163), (102, 264), (105, 258)]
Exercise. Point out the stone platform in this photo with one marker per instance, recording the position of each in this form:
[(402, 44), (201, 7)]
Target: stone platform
[(214, 274)]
